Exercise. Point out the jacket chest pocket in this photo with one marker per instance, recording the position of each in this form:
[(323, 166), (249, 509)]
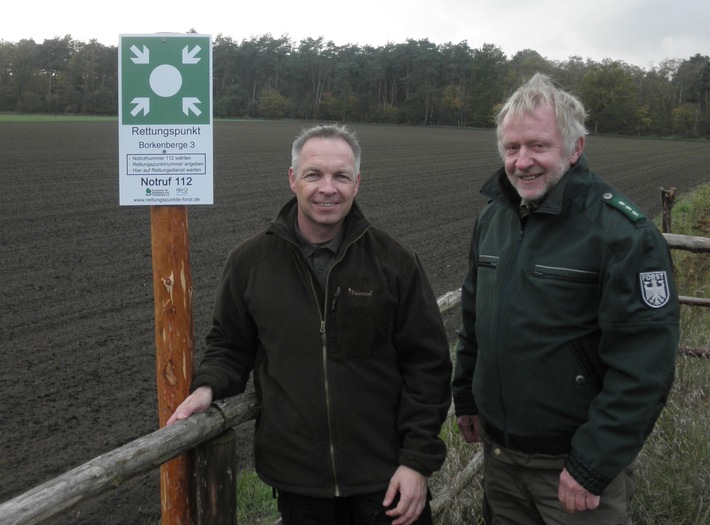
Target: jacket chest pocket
[(570, 275), (488, 261), (487, 274), (570, 290), (359, 321)]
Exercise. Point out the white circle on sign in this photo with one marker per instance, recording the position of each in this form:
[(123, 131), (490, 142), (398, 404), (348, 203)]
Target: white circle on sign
[(165, 80)]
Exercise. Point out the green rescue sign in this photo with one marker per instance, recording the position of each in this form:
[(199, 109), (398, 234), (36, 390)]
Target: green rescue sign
[(165, 80), (165, 119)]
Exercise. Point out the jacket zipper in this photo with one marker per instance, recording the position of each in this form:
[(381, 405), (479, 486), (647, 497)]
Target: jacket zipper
[(326, 388), (503, 301), (324, 359)]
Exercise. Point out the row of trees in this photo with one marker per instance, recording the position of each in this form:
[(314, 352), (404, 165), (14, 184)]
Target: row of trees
[(415, 82)]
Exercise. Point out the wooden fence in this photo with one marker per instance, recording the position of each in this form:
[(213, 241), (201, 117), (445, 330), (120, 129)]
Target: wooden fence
[(205, 434)]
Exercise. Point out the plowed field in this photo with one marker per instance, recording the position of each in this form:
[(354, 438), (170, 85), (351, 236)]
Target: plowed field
[(77, 356)]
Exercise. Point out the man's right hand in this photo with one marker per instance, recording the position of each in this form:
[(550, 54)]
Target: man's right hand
[(470, 428), (199, 401), (574, 496)]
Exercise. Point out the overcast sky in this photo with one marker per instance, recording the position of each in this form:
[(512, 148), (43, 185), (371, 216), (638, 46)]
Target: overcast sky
[(639, 32)]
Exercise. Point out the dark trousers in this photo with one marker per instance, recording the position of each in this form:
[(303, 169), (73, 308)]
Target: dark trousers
[(521, 489), (365, 509)]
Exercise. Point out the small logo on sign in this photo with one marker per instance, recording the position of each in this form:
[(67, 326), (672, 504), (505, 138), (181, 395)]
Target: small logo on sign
[(654, 288)]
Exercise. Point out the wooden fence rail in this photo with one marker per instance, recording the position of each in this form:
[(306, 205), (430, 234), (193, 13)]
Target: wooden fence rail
[(688, 243), (109, 470), (692, 244)]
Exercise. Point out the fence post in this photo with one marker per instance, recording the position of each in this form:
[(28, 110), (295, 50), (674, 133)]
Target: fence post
[(667, 199), (215, 481)]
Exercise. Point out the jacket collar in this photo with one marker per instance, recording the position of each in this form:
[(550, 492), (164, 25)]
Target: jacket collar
[(284, 224), (499, 189)]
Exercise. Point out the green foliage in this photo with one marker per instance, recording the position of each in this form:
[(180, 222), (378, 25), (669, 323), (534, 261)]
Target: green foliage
[(682, 119), (273, 104), (414, 82), (691, 216), (611, 98), (41, 117)]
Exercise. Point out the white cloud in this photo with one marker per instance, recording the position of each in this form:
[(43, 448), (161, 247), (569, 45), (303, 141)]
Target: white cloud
[(640, 32)]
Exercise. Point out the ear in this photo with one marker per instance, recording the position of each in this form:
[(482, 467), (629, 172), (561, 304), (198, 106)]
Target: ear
[(357, 184), (292, 179), (578, 149)]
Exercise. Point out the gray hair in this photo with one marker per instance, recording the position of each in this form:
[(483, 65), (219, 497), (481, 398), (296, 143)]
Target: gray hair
[(538, 91), (329, 131)]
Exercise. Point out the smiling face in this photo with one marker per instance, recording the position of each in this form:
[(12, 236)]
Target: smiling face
[(325, 186), (534, 153)]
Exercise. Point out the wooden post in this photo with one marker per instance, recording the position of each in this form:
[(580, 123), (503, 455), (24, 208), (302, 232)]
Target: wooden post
[(172, 297), (215, 480), (667, 198)]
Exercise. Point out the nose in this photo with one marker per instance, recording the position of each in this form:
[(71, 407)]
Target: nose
[(524, 158), (327, 185)]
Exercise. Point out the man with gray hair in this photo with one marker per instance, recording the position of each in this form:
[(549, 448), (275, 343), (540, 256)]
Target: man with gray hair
[(350, 357), (566, 351)]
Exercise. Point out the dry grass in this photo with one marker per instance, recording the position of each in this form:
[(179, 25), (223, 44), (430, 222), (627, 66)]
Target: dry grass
[(674, 467)]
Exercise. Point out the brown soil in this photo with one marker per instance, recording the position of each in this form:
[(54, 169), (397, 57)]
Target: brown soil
[(76, 332)]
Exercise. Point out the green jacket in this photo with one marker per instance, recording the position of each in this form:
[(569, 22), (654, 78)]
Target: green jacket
[(350, 387), (569, 325)]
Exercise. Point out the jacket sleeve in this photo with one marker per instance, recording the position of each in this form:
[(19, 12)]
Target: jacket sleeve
[(467, 346), (638, 320), (425, 365), (231, 341)]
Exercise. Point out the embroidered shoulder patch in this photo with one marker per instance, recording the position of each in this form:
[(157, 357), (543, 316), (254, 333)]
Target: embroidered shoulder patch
[(624, 206), (654, 288)]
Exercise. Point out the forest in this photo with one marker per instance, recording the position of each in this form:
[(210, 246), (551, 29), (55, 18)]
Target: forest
[(416, 82)]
